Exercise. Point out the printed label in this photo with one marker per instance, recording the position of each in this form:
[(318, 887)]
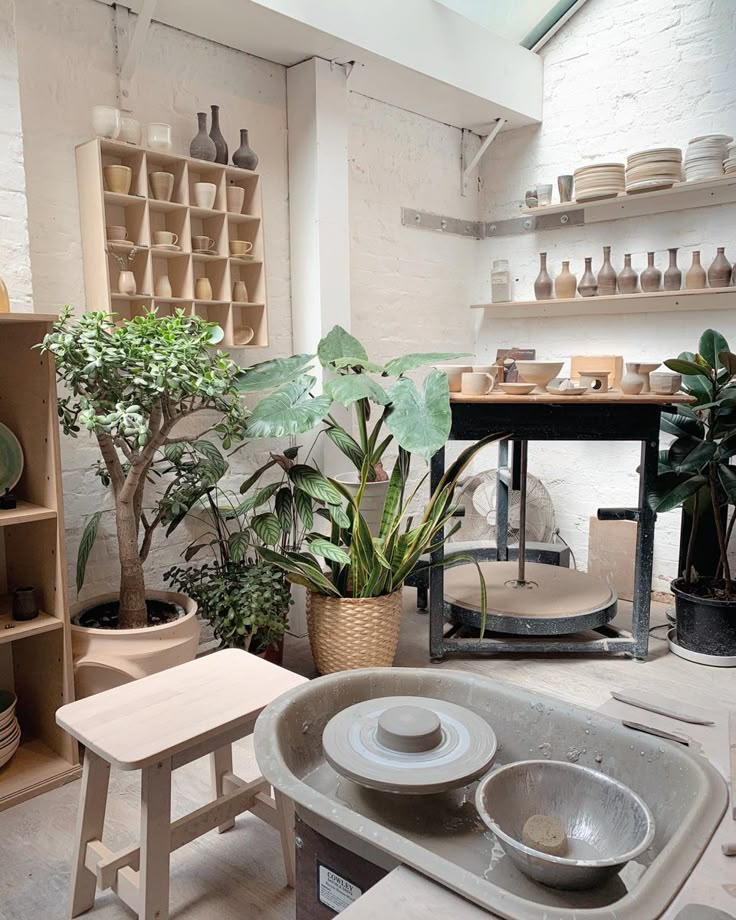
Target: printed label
[(336, 892)]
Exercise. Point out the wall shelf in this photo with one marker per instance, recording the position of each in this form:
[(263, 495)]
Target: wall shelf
[(11, 629), (24, 513), (143, 215), (657, 302)]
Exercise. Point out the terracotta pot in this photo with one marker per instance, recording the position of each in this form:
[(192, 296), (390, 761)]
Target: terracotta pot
[(651, 277), (588, 286), (543, 283), (719, 273), (348, 632), (566, 284), (696, 279), (105, 658), (371, 505), (607, 275), (628, 279)]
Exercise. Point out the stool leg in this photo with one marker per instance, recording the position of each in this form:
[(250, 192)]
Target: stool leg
[(285, 811), (221, 762), (90, 824), (155, 842)]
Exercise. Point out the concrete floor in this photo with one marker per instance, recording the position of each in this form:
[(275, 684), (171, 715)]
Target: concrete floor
[(239, 874)]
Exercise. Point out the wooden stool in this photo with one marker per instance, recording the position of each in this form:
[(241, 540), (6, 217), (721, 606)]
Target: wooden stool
[(155, 725)]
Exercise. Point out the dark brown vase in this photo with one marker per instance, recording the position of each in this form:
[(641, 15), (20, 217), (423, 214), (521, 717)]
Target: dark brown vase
[(244, 156), (607, 275), (588, 286), (651, 277), (216, 136), (543, 284), (627, 278), (719, 273), (673, 275)]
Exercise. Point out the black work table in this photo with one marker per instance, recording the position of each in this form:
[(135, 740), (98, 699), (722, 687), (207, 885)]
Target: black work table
[(610, 416)]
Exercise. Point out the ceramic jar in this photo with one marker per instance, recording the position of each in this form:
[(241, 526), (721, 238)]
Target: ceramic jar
[(216, 136), (130, 130), (719, 272), (25, 605), (235, 196), (244, 156), (696, 279), (673, 275), (628, 279), (607, 275), (203, 289), (126, 282), (632, 382), (651, 277), (158, 136), (565, 283), (106, 121), (588, 286), (202, 146), (118, 178), (543, 283), (240, 292), (162, 287), (162, 185)]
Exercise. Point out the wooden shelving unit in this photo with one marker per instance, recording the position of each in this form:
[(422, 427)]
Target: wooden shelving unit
[(35, 656), (142, 214), (657, 302)]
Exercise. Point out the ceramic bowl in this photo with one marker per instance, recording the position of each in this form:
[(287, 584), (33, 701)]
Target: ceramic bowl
[(242, 335), (665, 382), (516, 389), (539, 372), (454, 374), (606, 823)]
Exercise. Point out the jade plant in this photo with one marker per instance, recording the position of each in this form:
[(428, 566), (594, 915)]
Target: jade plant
[(130, 384)]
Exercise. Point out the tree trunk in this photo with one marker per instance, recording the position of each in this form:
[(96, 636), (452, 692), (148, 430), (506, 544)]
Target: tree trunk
[(133, 612)]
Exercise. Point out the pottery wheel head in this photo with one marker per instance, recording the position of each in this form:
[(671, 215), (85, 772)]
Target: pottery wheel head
[(409, 728)]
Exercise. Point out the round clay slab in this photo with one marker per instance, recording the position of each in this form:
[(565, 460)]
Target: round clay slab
[(375, 743)]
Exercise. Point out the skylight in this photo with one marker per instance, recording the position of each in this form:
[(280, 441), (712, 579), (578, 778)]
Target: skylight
[(525, 22)]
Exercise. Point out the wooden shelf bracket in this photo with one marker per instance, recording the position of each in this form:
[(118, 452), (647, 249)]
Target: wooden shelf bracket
[(128, 47), (468, 166)]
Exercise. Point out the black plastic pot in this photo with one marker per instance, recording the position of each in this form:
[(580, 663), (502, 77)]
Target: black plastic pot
[(705, 625)]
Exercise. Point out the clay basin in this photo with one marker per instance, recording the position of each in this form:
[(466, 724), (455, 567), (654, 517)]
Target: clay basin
[(606, 824), (540, 373), (443, 837)]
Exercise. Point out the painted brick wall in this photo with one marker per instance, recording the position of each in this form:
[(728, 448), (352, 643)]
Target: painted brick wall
[(620, 76), (65, 48)]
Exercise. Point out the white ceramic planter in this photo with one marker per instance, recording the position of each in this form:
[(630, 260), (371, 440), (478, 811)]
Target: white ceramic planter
[(105, 658), (374, 497)]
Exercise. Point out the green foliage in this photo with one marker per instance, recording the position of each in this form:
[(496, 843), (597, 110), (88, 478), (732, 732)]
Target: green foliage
[(290, 409), (85, 546)]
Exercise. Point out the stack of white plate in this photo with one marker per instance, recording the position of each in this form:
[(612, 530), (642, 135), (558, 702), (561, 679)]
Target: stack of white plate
[(729, 164), (601, 180), (9, 727), (705, 155), (648, 170)]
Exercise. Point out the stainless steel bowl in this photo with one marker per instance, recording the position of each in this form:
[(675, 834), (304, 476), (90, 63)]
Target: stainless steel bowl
[(606, 823)]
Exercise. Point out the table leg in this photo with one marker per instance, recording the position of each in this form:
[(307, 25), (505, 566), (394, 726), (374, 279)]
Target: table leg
[(153, 901), (436, 574), (90, 825), (221, 762), (502, 502), (286, 818), (644, 549)]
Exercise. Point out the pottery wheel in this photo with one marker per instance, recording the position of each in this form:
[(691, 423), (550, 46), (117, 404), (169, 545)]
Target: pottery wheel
[(409, 744), (554, 601)]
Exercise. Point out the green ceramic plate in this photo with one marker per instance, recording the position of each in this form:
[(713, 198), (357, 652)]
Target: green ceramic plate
[(11, 459), (218, 334)]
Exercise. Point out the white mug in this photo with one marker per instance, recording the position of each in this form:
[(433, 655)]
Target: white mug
[(164, 238), (477, 384), (204, 194)]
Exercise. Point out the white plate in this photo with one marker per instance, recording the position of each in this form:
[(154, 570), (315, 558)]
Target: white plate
[(720, 138), (649, 185), (121, 244), (169, 247), (6, 755), (205, 252)]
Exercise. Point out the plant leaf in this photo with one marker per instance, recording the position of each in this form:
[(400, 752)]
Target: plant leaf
[(727, 476), (174, 452), (238, 544), (411, 362), (291, 409), (690, 457), (304, 509), (420, 419), (85, 547), (338, 515), (679, 424), (309, 574), (686, 368), (267, 527), (711, 344), (272, 373), (323, 547), (214, 458), (254, 477), (349, 388), (671, 491), (338, 343), (283, 508), (347, 444), (315, 484), (728, 360), (392, 504)]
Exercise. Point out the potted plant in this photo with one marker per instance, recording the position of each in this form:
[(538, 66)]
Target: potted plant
[(696, 472), (130, 385)]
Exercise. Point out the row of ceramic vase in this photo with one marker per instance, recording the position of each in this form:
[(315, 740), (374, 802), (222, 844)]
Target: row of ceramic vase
[(608, 281), (212, 147)]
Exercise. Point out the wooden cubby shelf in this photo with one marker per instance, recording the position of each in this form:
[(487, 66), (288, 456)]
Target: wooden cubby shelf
[(35, 655), (143, 216)]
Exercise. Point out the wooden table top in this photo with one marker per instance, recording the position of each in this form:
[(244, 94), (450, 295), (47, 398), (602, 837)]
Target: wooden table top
[(613, 397)]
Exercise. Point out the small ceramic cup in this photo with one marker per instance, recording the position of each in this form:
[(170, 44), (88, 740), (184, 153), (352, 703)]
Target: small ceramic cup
[(235, 197), (477, 384), (544, 195), (106, 121), (25, 606), (454, 374), (493, 369), (665, 383), (204, 194), (203, 289), (118, 178), (240, 247), (162, 185), (202, 244), (116, 233), (164, 238), (564, 187), (158, 136)]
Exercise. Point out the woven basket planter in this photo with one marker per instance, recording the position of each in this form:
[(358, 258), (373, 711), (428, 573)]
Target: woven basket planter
[(347, 632)]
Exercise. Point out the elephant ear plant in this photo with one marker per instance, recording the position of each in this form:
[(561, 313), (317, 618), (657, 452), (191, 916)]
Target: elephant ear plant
[(130, 385)]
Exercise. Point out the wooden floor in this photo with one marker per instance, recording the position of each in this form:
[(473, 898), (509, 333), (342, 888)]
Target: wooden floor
[(238, 875)]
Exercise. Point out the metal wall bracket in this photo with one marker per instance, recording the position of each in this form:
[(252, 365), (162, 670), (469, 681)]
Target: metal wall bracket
[(129, 45), (468, 164), (481, 230), (425, 220)]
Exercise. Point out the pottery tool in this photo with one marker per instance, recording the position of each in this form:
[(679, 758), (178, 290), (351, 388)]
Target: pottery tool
[(663, 706), (658, 732)]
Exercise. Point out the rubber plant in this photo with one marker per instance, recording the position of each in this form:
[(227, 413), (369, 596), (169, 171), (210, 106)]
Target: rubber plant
[(695, 470), (130, 384)]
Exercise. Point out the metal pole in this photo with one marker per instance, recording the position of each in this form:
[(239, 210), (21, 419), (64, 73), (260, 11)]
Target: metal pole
[(523, 445)]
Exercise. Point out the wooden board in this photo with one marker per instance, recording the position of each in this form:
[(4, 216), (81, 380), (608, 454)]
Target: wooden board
[(34, 769), (615, 397), (25, 512), (614, 364), (612, 554), (11, 629)]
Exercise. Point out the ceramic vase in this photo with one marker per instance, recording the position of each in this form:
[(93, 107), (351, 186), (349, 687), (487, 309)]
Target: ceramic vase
[(627, 278), (607, 275), (632, 382), (163, 287), (244, 156), (203, 289), (651, 277), (673, 275), (719, 273), (162, 185), (588, 286), (202, 146), (695, 279), (216, 136), (543, 283), (240, 292), (565, 283), (126, 282)]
